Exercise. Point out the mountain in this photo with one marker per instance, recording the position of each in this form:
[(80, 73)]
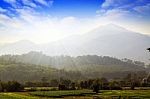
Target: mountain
[(108, 40), (18, 47), (117, 41), (111, 40)]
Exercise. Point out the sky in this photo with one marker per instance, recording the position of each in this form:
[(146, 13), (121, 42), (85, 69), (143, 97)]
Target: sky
[(43, 21)]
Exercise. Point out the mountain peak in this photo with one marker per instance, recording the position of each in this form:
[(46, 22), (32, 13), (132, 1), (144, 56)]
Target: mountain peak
[(114, 27), (111, 24)]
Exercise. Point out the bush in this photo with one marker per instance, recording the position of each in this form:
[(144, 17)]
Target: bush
[(114, 86), (62, 87), (11, 86), (73, 86)]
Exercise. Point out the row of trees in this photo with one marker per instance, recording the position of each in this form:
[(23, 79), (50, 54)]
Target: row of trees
[(132, 80)]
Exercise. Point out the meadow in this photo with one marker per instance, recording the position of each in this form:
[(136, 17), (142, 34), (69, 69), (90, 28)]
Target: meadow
[(78, 94)]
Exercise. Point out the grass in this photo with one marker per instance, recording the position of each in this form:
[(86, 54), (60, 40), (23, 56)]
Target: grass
[(125, 94), (79, 94), (13, 95), (19, 95), (60, 94), (104, 94)]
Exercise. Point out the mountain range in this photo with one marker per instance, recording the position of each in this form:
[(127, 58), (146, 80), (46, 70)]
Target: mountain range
[(108, 40)]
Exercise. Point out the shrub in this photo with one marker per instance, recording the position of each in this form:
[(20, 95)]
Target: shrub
[(62, 87), (12, 86)]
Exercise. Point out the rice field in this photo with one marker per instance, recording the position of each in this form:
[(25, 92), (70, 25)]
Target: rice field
[(62, 94), (79, 94)]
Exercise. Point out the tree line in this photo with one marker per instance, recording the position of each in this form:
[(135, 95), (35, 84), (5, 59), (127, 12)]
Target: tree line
[(132, 80)]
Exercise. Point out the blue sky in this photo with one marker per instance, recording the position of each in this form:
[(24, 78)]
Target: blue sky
[(77, 8), (59, 8), (28, 19)]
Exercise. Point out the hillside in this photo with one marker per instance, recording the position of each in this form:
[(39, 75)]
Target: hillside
[(22, 72), (35, 65)]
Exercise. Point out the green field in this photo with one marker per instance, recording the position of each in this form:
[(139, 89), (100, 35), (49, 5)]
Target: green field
[(13, 95), (125, 94), (61, 94), (79, 94)]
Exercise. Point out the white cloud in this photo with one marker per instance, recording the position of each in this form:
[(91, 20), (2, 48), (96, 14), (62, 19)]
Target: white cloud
[(115, 3), (40, 28), (107, 3), (2, 10), (10, 1), (29, 3), (140, 6), (117, 13), (69, 20), (14, 3), (115, 9), (145, 9), (45, 2), (4, 19), (101, 11)]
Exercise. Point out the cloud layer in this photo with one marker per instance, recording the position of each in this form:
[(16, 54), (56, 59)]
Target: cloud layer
[(28, 19)]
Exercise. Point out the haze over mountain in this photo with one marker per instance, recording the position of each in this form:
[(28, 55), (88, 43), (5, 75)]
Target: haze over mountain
[(110, 40), (37, 65)]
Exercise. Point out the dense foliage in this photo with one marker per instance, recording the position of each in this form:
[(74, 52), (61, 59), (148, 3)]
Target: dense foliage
[(10, 86)]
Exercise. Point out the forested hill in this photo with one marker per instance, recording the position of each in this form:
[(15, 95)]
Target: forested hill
[(75, 63), (35, 65)]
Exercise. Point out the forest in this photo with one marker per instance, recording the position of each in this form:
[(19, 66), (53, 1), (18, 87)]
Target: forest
[(35, 65)]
